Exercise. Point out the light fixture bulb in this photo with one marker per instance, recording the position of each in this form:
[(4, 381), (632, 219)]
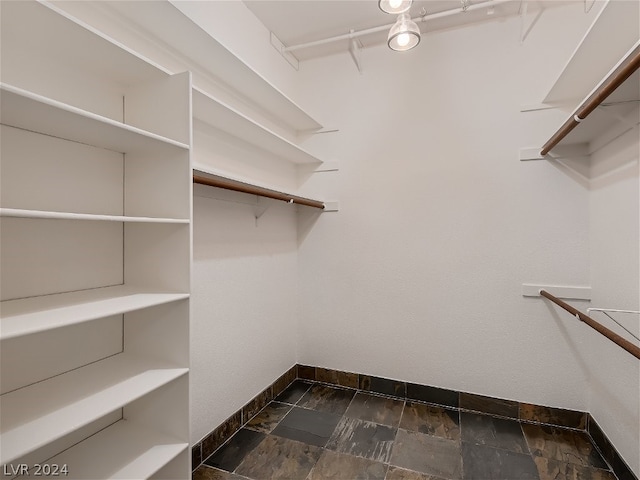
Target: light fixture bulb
[(404, 35), (394, 7), (403, 39)]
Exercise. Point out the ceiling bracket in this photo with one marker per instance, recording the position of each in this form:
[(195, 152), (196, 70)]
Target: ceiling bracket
[(354, 49), (526, 30), (281, 48)]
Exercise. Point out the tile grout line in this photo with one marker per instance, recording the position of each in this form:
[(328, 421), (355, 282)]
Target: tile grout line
[(606, 460)]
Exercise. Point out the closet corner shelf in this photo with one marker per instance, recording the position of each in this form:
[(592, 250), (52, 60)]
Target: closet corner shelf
[(142, 452), (225, 118), (205, 177), (30, 111), (621, 89), (37, 314), (164, 24), (592, 58), (22, 213), (74, 400)]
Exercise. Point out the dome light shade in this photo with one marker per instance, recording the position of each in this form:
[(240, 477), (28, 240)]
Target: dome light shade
[(394, 7), (404, 35)]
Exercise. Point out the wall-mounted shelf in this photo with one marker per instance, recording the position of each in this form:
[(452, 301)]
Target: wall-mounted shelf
[(599, 83), (225, 118), (620, 89), (613, 31)]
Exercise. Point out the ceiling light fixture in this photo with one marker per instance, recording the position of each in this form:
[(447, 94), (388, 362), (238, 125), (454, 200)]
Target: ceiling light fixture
[(404, 35), (394, 7)]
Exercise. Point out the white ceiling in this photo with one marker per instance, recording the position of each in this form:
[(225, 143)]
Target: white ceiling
[(296, 22)]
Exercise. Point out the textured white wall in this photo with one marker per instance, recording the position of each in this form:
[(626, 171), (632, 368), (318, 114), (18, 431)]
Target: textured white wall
[(418, 277), (243, 301), (614, 375)]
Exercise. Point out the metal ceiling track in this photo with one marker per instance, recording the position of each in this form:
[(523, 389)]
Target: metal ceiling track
[(287, 51)]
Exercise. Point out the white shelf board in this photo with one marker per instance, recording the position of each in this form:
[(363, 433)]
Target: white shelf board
[(36, 314), (225, 118), (85, 48), (20, 213), (602, 123), (75, 399), (614, 30), (615, 116), (163, 24), (33, 112), (121, 451)]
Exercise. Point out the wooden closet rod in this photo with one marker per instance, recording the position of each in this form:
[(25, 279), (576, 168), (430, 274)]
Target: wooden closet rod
[(617, 78), (614, 337), (255, 190)]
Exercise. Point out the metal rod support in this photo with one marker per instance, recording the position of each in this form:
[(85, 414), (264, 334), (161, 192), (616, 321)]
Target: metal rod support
[(614, 337), (237, 186)]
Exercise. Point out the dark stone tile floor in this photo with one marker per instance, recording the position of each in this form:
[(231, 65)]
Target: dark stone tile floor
[(313, 431)]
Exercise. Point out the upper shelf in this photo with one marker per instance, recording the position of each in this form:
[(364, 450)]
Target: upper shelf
[(610, 110), (225, 118), (30, 111), (613, 32), (45, 29), (190, 47)]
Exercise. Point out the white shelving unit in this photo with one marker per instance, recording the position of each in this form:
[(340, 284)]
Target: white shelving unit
[(244, 127), (95, 212)]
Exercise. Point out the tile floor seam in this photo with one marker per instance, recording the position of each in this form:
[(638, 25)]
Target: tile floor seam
[(404, 408), (351, 402), (526, 442)]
